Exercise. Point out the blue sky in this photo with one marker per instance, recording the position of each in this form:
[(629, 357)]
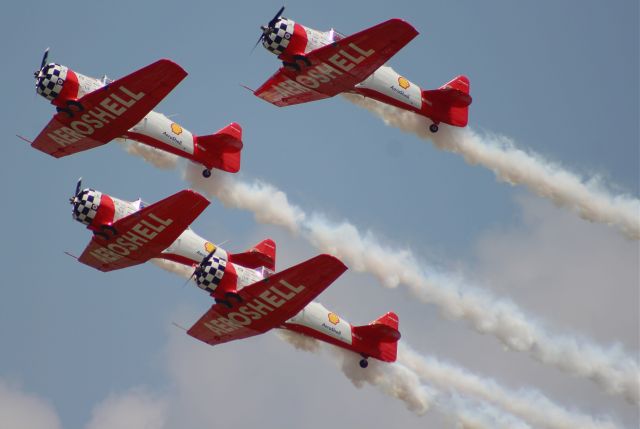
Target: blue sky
[(560, 79)]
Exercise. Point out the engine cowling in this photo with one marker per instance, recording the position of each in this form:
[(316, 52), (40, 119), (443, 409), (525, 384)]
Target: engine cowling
[(216, 273), (63, 86), (97, 210), (277, 41), (50, 80), (86, 206)]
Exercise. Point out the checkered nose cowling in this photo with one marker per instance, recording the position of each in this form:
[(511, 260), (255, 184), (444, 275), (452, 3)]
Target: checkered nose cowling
[(50, 80), (210, 273), (85, 205), (278, 40)]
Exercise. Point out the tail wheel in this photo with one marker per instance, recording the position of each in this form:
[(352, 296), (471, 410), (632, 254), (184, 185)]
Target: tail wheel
[(364, 363), (433, 128), (206, 173)]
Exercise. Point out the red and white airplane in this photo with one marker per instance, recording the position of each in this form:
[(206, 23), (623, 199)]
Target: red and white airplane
[(92, 112), (250, 298), (319, 65)]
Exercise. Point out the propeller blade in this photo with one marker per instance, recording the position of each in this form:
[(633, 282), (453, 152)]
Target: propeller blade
[(78, 186), (189, 279), (257, 43), (45, 56), (205, 259), (200, 267), (275, 18)]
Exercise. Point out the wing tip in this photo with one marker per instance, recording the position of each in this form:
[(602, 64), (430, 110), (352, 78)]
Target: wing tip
[(404, 24)]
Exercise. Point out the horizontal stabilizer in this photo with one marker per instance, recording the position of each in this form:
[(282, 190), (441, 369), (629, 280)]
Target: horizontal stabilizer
[(222, 149), (379, 338), (449, 103), (262, 254)]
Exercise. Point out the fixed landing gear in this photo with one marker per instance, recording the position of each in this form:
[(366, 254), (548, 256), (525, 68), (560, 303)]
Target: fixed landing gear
[(73, 107), (233, 296), (291, 66), (224, 302), (229, 299), (206, 173), (304, 59), (299, 62), (364, 363), (433, 128)]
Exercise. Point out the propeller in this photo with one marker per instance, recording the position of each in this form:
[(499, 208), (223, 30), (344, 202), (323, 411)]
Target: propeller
[(45, 56), (269, 28), (78, 189), (200, 267)]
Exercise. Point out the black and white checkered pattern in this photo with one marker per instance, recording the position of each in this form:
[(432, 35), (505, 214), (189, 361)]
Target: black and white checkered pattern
[(278, 40), (50, 80), (211, 273), (85, 205)]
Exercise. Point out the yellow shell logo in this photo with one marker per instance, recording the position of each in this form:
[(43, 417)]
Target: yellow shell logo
[(209, 247), (403, 82), (176, 129), (333, 318)]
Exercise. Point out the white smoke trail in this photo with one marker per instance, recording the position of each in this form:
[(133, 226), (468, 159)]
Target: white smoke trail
[(268, 204), (173, 267), (512, 165), (531, 406), (394, 380), (156, 157), (482, 415), (611, 369), (400, 382)]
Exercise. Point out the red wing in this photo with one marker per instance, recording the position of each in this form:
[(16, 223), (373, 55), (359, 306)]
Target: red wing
[(144, 234), (268, 303), (110, 111), (338, 67)]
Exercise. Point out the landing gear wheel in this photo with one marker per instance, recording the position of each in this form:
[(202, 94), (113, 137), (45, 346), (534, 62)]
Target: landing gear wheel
[(433, 128), (291, 66), (302, 58), (65, 110), (206, 173), (364, 363), (224, 302), (233, 296)]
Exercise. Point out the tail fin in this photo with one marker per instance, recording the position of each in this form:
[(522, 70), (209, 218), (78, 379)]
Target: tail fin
[(449, 103), (262, 254), (378, 339), (222, 149)]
